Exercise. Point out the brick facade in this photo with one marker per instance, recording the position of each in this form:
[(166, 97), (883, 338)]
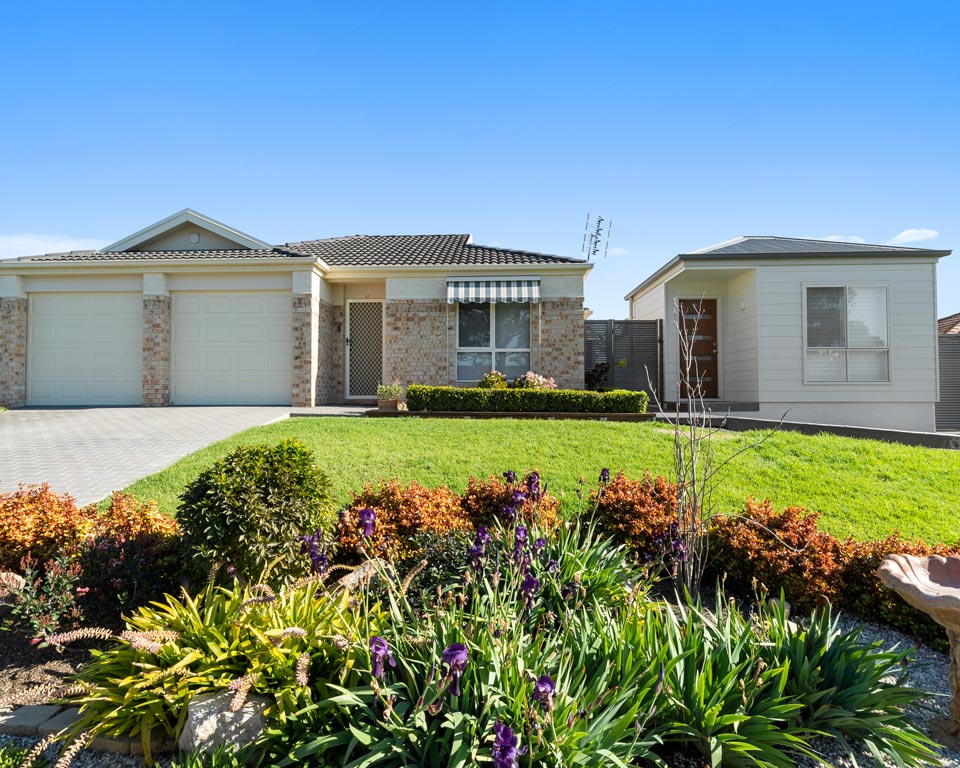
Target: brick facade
[(420, 338), (330, 355), (558, 326), (13, 352), (306, 320), (156, 350)]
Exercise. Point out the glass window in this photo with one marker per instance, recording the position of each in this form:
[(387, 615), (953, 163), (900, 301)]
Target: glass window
[(492, 337), (847, 334)]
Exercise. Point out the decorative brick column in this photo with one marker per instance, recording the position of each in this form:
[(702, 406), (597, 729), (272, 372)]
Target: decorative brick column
[(306, 322), (558, 326), (156, 350), (420, 335), (330, 354), (13, 352)]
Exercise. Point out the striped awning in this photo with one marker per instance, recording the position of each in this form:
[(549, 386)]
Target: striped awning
[(493, 291)]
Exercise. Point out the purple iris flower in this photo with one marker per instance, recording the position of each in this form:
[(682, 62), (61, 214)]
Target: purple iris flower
[(475, 556), (553, 566), (539, 544), (319, 561), (533, 486), (530, 586), (483, 536), (368, 521), (543, 690), (604, 476), (380, 652), (519, 543), (509, 514), (505, 751), (455, 658), (510, 476)]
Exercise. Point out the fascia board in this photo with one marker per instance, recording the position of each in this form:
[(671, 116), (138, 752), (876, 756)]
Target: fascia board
[(668, 271)]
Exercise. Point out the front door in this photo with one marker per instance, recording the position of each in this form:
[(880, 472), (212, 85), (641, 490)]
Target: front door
[(698, 348), (364, 342)]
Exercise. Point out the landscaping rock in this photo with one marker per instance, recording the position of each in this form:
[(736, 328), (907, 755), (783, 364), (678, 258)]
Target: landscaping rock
[(363, 574), (210, 723)]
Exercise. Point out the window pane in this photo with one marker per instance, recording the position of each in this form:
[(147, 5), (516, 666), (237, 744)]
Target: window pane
[(474, 325), (826, 365), (867, 365), (867, 316), (513, 364), (513, 326), (825, 317), (473, 366)]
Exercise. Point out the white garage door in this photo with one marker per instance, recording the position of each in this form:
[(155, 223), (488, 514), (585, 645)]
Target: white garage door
[(84, 349), (231, 348)]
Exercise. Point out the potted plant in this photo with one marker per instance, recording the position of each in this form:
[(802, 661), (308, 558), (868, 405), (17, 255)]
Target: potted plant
[(388, 396)]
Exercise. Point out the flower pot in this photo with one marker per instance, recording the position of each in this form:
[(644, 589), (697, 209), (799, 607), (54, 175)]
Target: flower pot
[(387, 405)]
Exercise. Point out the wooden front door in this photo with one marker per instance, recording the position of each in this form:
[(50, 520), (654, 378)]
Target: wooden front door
[(698, 348)]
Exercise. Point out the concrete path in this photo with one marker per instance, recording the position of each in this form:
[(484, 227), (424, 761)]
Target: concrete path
[(91, 452)]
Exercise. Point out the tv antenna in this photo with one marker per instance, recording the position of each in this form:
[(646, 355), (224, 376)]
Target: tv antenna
[(593, 235)]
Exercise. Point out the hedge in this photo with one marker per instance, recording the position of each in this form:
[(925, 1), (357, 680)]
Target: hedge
[(424, 398)]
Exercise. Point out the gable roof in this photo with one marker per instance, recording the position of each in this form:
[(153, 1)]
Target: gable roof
[(766, 245), (950, 324), (416, 250), (186, 216), (751, 247)]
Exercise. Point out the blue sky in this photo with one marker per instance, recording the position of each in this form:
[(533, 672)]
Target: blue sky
[(685, 123)]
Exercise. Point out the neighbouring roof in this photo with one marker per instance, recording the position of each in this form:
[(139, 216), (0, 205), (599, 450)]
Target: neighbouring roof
[(766, 245), (750, 247), (351, 251), (949, 324)]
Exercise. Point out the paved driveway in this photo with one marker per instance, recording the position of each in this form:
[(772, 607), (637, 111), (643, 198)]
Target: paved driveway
[(91, 452)]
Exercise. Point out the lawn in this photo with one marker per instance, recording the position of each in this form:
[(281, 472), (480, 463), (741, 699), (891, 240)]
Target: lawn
[(863, 488)]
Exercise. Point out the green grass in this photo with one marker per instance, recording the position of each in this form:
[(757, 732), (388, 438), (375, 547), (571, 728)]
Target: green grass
[(864, 488)]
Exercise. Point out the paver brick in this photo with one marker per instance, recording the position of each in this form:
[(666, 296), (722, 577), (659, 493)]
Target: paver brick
[(58, 722), (26, 721)]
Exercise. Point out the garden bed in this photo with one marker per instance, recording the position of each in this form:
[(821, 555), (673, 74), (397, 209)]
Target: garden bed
[(550, 415)]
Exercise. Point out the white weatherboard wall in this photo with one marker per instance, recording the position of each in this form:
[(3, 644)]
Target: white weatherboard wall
[(904, 402), (84, 349), (231, 348)]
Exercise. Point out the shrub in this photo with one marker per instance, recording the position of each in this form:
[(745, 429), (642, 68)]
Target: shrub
[(390, 391), (862, 591), (531, 380), (485, 500), (423, 398), (636, 512), (402, 512), (251, 508), (47, 601), (493, 380), (37, 522), (132, 556), (751, 546)]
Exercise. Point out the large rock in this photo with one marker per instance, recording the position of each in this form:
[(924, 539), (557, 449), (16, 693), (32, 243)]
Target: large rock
[(210, 723), (365, 573)]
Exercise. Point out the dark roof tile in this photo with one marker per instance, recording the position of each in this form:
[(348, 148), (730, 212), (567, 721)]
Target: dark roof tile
[(757, 245)]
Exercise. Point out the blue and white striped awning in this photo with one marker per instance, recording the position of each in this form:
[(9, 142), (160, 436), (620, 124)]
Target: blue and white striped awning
[(493, 291)]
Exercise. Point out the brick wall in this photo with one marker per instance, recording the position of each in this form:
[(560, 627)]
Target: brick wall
[(13, 352), (420, 339), (330, 354), (560, 333), (306, 320), (156, 350)]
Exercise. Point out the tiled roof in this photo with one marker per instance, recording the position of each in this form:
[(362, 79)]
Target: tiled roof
[(238, 253), (415, 250), (758, 245), (949, 324), (352, 251)]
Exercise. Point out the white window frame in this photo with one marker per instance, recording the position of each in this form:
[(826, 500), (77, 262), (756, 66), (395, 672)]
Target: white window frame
[(846, 382), (492, 348)]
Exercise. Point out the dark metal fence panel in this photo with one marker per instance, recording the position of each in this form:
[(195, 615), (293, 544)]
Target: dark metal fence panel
[(948, 409), (622, 353)]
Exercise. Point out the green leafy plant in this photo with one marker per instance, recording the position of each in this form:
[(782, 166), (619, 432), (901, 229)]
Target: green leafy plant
[(47, 601), (251, 508), (493, 380), (222, 757), (390, 391)]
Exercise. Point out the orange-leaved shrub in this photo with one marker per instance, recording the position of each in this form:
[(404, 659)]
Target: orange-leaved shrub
[(636, 512), (780, 550), (485, 500), (402, 512), (36, 522), (863, 593)]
